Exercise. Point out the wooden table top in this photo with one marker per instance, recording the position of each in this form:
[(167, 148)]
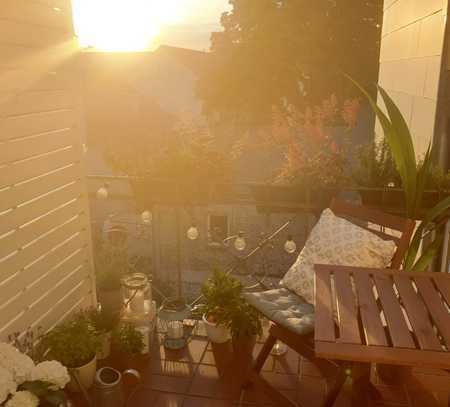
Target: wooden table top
[(382, 316)]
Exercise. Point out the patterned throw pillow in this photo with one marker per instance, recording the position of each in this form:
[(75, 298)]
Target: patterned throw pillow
[(336, 241)]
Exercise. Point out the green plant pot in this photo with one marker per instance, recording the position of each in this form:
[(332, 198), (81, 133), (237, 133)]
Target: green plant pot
[(85, 374)]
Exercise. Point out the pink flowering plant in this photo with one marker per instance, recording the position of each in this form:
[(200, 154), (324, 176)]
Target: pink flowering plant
[(23, 383), (315, 155)]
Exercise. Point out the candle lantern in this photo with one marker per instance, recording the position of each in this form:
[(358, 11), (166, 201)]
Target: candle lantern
[(171, 315), (137, 294), (139, 309)]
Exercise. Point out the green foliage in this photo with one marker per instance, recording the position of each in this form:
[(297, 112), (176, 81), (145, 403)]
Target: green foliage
[(414, 179), (288, 52), (376, 167), (73, 343), (128, 339), (220, 292), (43, 390), (243, 320), (225, 305), (103, 320)]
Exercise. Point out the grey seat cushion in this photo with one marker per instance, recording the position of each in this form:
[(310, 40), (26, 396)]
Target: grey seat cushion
[(285, 308)]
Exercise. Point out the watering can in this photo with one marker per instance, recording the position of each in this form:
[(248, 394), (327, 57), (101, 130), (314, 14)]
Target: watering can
[(109, 387)]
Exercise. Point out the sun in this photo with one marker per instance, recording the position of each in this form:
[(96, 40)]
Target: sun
[(123, 25)]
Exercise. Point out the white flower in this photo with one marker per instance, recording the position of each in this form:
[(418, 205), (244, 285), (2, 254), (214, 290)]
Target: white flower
[(23, 399), (7, 384), (51, 372), (18, 364)]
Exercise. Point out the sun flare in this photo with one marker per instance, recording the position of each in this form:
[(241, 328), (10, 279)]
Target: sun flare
[(123, 25)]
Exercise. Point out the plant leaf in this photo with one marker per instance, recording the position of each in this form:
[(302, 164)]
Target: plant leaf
[(430, 216), (36, 387), (429, 254), (402, 147), (56, 398), (422, 176)]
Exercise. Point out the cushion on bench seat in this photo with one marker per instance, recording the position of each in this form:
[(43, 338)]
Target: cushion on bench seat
[(285, 308)]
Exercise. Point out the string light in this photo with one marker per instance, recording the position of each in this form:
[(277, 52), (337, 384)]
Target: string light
[(102, 192), (192, 233), (240, 243), (290, 245), (146, 217)]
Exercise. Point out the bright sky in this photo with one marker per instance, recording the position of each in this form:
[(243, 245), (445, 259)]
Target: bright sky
[(136, 25)]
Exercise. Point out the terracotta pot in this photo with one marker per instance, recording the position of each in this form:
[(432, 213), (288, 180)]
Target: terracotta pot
[(243, 346), (85, 374), (124, 361), (216, 333)]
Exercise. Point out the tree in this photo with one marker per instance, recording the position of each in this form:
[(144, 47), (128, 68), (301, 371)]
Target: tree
[(288, 53)]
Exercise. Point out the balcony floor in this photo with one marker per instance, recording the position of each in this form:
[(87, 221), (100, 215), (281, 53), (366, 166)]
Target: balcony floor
[(203, 375)]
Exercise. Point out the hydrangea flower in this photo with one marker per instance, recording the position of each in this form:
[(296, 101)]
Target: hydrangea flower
[(23, 399), (7, 384), (51, 372), (18, 364)]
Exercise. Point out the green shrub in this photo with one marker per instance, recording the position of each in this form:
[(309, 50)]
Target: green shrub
[(73, 343), (127, 339)]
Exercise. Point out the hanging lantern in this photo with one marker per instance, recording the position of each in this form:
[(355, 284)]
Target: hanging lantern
[(146, 217), (171, 315), (240, 243), (137, 295), (102, 192), (290, 245), (192, 233)]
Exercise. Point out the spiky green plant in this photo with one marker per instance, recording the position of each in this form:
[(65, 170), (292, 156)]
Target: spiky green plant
[(414, 179)]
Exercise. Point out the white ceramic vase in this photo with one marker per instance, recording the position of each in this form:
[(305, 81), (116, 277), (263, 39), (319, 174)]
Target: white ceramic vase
[(216, 333), (85, 374)]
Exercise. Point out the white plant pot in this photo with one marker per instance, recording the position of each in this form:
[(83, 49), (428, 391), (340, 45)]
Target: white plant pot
[(85, 374), (216, 333), (105, 346)]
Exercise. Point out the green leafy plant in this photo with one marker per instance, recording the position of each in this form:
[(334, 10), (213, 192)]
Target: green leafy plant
[(243, 320), (128, 339), (46, 393), (110, 265), (221, 292), (103, 320), (73, 343), (376, 167), (414, 179)]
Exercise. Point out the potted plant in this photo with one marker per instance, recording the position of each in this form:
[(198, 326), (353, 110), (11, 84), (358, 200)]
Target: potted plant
[(104, 321), (24, 383), (220, 292), (244, 323), (74, 344), (128, 344)]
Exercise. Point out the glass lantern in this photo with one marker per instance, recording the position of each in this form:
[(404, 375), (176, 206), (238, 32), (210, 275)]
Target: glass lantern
[(171, 315), (137, 294), (138, 307)]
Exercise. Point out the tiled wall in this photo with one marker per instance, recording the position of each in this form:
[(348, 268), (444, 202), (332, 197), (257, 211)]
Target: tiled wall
[(410, 61)]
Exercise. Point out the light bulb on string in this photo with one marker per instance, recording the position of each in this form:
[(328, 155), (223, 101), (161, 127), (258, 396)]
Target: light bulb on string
[(290, 245), (102, 192), (240, 243), (146, 217), (192, 233)]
